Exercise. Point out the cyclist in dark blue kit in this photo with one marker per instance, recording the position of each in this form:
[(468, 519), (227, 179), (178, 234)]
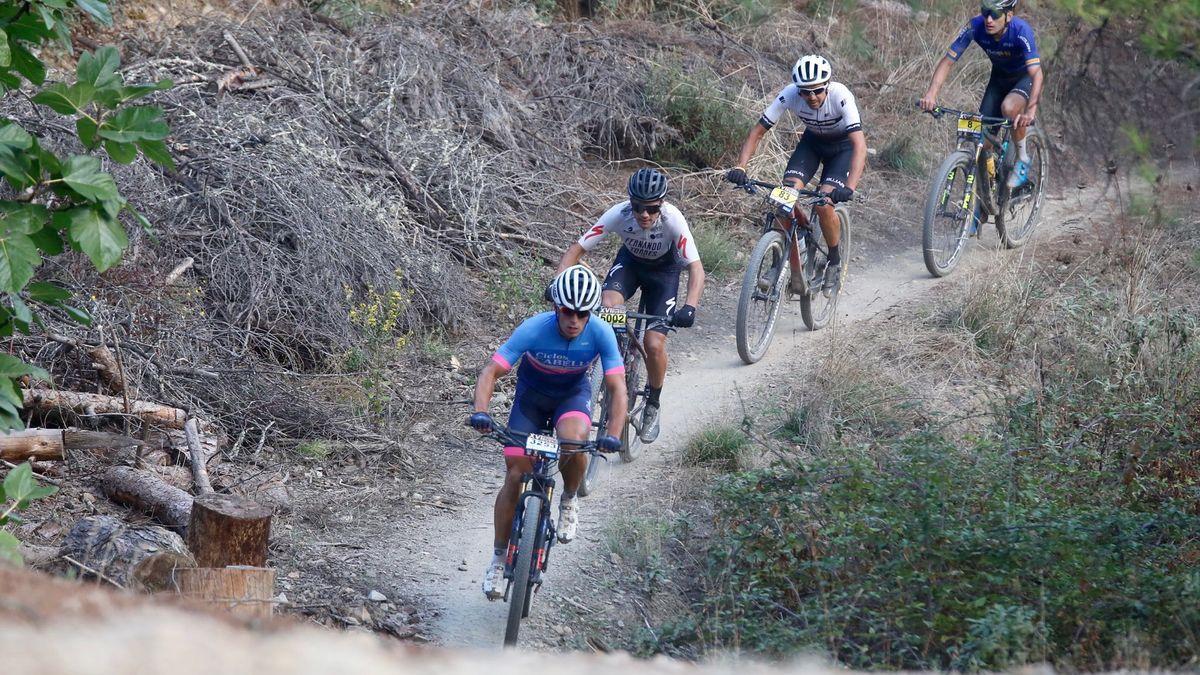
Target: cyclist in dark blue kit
[(1015, 86), (555, 350)]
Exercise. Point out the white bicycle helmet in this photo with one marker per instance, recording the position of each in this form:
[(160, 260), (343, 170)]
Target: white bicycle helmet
[(811, 71), (576, 288)]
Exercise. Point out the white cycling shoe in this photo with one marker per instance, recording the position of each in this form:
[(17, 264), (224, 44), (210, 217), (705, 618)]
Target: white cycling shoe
[(568, 519), (493, 581)]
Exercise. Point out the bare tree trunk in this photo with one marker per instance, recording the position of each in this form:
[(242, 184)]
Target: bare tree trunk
[(144, 491), (84, 403), (130, 556), (228, 530), (245, 591), (49, 444)]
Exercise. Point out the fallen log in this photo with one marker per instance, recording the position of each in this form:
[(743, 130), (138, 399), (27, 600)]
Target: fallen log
[(110, 370), (146, 492), (98, 404), (228, 530), (197, 458), (50, 444), (131, 556), (244, 591)]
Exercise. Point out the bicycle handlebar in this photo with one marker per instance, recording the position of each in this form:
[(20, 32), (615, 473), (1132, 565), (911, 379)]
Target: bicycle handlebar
[(939, 111), (507, 437), (751, 186)]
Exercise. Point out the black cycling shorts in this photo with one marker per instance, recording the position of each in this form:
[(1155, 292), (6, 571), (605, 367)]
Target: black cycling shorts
[(811, 151), (999, 86), (657, 279)]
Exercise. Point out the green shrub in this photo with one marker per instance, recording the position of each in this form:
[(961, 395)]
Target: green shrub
[(722, 447), (939, 557), (710, 128), (900, 154), (717, 249), (18, 490)]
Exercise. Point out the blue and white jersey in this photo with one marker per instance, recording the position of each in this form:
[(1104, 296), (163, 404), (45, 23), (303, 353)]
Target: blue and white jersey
[(553, 365), (1014, 52)]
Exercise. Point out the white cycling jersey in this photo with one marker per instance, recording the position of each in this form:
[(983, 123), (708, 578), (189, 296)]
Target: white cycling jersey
[(669, 232), (834, 120)]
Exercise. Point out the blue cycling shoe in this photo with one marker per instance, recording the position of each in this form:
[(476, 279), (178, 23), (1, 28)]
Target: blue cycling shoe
[(1019, 174)]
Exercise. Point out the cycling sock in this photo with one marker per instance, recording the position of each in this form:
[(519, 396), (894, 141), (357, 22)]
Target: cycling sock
[(567, 496), (835, 256), (498, 553), (1022, 152), (652, 395)]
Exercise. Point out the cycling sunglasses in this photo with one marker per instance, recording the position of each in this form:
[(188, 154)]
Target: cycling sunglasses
[(812, 92), (567, 311), (996, 14), (645, 208)]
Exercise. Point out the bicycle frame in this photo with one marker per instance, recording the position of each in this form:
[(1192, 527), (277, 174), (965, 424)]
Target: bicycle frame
[(797, 227), (973, 136)]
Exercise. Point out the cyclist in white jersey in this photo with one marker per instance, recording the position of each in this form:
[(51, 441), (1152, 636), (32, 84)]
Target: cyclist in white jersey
[(832, 136), (657, 245)]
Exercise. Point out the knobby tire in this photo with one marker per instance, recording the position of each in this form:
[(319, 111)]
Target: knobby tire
[(635, 379), (1014, 235), (518, 598), (958, 161), (751, 348), (816, 320)]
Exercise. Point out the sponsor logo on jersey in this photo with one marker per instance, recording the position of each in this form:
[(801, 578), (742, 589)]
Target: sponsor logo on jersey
[(596, 231)]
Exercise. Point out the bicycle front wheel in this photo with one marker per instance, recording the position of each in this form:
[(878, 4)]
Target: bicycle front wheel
[(763, 287), (949, 209), (816, 307), (635, 381), (519, 595), (1020, 208)]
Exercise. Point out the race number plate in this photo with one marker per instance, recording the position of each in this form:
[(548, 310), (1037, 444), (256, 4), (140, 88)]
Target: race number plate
[(545, 446), (785, 197), (969, 125), (617, 316)]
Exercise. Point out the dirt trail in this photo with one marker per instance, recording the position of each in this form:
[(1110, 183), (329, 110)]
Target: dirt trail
[(705, 378)]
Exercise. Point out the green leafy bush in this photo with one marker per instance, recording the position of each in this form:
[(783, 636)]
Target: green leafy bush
[(57, 200), (18, 491)]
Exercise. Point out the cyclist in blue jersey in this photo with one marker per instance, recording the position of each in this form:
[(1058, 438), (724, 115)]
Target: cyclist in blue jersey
[(1015, 85), (556, 350)]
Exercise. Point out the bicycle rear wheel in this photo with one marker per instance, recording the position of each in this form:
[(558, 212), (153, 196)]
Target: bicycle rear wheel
[(949, 209), (591, 477), (635, 380), (1018, 214), (518, 597), (763, 287), (816, 308)]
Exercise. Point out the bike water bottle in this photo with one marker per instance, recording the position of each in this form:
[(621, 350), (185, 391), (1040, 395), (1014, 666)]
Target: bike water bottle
[(991, 165)]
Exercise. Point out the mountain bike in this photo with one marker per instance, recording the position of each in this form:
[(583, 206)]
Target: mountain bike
[(633, 355), (790, 241), (972, 183), (533, 529)]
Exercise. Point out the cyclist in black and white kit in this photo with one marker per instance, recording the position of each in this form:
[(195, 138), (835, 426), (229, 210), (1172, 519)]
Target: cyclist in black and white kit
[(832, 136), (656, 246)]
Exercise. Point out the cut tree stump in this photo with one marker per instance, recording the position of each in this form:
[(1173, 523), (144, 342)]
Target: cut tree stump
[(49, 444), (242, 590), (144, 491), (228, 530), (130, 556)]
